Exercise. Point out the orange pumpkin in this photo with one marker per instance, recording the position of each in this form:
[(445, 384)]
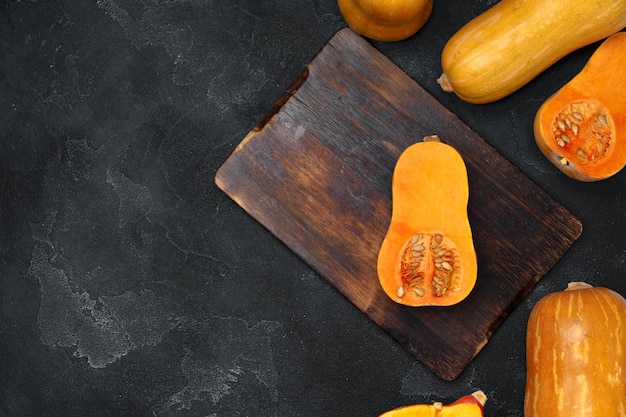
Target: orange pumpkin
[(466, 406), (581, 128), (427, 256), (576, 354), (386, 20)]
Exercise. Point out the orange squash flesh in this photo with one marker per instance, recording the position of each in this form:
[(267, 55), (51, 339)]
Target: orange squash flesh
[(581, 128), (576, 354), (466, 406), (427, 256), (386, 20)]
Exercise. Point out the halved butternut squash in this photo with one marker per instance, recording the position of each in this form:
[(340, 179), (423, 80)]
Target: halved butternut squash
[(427, 256), (581, 128)]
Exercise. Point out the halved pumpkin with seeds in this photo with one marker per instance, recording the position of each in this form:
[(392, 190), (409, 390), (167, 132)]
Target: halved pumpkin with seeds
[(427, 256), (581, 128)]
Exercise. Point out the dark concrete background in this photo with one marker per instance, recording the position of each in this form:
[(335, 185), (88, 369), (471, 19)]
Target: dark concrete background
[(132, 286)]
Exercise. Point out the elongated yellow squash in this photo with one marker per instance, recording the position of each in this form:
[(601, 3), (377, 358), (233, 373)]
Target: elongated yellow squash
[(508, 45)]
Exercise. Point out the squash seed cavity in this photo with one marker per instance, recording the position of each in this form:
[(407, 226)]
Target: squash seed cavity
[(584, 129), (429, 263)]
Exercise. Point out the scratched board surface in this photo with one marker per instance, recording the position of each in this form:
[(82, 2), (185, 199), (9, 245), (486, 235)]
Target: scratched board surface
[(316, 172)]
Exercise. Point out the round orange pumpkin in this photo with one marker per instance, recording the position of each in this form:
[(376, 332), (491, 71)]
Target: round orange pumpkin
[(386, 20)]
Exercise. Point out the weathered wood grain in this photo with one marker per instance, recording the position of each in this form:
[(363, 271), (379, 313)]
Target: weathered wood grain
[(316, 172)]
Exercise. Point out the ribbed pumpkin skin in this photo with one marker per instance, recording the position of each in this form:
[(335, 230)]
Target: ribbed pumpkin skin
[(576, 354)]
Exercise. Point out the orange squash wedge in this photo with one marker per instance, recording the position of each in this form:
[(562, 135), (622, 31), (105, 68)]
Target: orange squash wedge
[(466, 406)]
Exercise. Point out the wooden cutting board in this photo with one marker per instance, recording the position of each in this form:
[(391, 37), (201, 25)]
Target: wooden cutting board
[(316, 172)]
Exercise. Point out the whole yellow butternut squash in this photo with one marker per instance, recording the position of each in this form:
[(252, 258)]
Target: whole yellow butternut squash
[(511, 43), (576, 354)]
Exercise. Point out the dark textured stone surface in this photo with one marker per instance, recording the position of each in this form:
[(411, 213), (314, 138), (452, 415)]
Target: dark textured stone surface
[(131, 286)]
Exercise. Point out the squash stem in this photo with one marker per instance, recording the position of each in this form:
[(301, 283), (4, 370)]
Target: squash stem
[(480, 396), (577, 285), (445, 83)]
